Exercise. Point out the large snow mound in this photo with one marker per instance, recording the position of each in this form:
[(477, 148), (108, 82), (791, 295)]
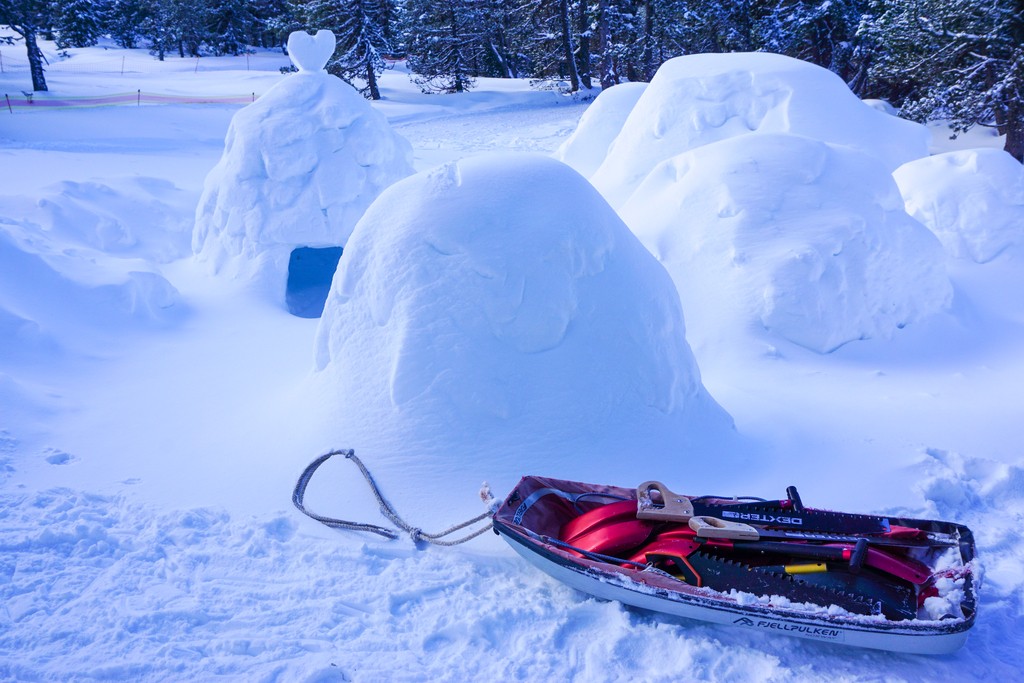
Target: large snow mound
[(588, 145), (136, 217), (527, 321), (299, 168), (806, 239), (973, 200), (699, 99), (77, 267)]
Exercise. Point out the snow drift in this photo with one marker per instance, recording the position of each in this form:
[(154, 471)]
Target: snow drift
[(805, 239), (77, 267), (973, 200), (587, 147), (699, 99), (299, 168), (527, 321)]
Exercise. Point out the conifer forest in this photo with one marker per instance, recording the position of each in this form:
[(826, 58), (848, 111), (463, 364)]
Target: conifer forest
[(957, 60)]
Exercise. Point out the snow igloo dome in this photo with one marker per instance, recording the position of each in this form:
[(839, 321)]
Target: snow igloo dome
[(804, 239), (499, 302), (299, 168), (696, 100)]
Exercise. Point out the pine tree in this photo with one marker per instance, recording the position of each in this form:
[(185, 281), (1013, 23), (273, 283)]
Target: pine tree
[(230, 24), (504, 33), (555, 39), (79, 23), (823, 33), (444, 43), (124, 21), (158, 27), (955, 59), (29, 18)]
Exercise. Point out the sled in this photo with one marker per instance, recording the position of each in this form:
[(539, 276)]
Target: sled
[(775, 567)]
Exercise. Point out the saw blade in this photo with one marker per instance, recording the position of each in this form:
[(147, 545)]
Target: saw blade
[(897, 599), (794, 535), (725, 575), (806, 519)]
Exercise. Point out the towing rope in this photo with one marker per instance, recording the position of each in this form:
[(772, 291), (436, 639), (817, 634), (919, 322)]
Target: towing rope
[(415, 533)]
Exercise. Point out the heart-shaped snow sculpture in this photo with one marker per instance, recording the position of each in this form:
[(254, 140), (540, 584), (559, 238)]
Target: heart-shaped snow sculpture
[(310, 53)]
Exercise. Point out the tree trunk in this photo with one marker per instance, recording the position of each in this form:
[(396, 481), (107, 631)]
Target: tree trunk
[(583, 31), (35, 61), (604, 39), (1015, 131), (568, 53), (503, 64), (371, 80), (648, 67)]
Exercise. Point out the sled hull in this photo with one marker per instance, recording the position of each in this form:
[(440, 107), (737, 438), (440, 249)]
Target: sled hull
[(659, 592)]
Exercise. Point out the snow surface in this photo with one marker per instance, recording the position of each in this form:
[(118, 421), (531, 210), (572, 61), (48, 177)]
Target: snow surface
[(973, 200), (147, 454)]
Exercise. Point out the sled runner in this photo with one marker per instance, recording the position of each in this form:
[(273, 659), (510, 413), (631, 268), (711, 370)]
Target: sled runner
[(773, 566)]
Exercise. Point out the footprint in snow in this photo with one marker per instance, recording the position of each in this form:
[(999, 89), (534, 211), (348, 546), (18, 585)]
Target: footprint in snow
[(57, 457)]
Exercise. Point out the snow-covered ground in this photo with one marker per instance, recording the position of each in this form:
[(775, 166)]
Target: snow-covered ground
[(154, 415)]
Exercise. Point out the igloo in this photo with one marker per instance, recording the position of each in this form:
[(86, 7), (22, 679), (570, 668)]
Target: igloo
[(600, 124), (299, 168), (498, 305), (698, 99), (806, 240)]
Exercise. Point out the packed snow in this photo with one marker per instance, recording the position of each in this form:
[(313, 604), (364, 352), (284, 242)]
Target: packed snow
[(600, 124), (973, 200), (808, 240), (154, 415), (698, 99), (462, 314), (300, 166)]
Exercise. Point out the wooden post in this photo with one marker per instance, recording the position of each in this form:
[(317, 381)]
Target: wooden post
[(8, 98), (122, 65), (138, 100)]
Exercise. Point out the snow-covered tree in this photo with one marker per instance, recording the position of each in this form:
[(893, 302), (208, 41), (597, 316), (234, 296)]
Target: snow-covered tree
[(505, 32), (551, 40), (158, 27), (231, 23), (823, 33), (79, 23), (960, 60), (29, 18), (444, 43), (124, 21), (190, 19)]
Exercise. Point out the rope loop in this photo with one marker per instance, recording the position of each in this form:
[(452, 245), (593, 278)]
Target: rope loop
[(416, 534)]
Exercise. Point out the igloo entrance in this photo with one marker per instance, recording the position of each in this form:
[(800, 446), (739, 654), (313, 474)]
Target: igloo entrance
[(310, 271)]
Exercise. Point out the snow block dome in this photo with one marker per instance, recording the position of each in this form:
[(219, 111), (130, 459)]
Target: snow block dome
[(805, 239), (973, 200), (299, 168), (498, 305), (698, 99), (587, 147)]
